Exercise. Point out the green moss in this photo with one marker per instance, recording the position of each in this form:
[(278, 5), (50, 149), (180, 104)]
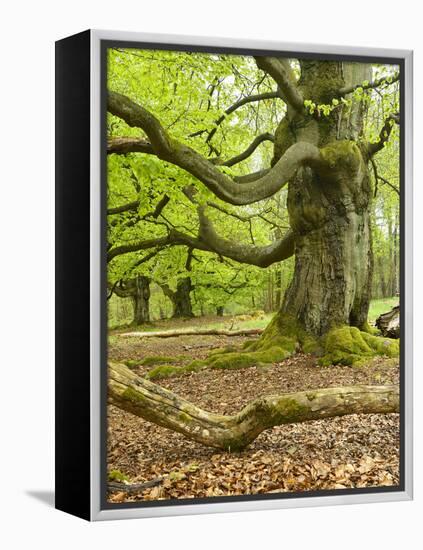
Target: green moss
[(184, 417), (383, 346), (132, 363), (117, 475), (196, 364), (227, 349), (164, 371), (339, 154), (248, 343), (132, 395), (160, 360), (282, 338), (349, 346), (291, 411), (370, 330)]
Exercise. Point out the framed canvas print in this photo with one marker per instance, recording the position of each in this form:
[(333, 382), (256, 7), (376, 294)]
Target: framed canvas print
[(234, 288)]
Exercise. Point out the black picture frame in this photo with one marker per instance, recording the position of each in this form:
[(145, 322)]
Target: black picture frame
[(81, 373)]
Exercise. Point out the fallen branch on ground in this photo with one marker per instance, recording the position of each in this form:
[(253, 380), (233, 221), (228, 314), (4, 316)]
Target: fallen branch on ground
[(233, 433), (194, 332), (134, 487)]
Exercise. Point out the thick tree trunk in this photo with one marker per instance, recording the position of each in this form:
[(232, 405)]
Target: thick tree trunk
[(138, 289), (329, 211), (141, 300), (182, 306), (333, 256), (233, 433), (180, 298)]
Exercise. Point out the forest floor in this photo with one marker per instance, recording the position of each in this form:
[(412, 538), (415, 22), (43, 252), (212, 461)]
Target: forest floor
[(338, 453)]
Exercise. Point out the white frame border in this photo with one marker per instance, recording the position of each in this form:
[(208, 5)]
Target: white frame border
[(95, 277)]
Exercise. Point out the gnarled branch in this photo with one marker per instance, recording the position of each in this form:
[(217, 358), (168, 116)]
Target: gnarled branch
[(245, 154), (233, 433), (224, 187), (281, 72), (261, 256)]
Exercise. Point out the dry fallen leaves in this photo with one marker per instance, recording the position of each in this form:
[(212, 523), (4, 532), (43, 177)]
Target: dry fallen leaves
[(337, 453)]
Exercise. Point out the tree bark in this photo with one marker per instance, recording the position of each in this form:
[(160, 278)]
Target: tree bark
[(182, 306), (234, 433), (180, 298), (138, 289), (329, 207)]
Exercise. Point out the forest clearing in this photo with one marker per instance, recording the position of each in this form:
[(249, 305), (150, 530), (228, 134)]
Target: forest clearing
[(253, 289)]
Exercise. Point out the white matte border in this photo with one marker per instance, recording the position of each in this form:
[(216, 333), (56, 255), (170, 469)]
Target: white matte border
[(95, 277)]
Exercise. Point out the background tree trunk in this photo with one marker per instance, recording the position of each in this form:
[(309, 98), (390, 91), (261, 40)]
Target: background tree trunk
[(180, 298), (141, 300), (138, 289), (182, 306)]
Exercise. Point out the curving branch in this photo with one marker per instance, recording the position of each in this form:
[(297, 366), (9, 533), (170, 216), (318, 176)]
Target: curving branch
[(224, 187), (384, 134), (247, 153), (281, 72), (209, 241), (387, 79), (261, 256), (156, 404)]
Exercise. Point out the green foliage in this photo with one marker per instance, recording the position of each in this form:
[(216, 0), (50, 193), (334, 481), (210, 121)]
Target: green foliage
[(189, 92), (117, 475)]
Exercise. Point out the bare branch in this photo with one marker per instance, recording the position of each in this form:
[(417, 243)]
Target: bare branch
[(387, 80), (378, 177), (130, 206), (245, 154), (234, 107)]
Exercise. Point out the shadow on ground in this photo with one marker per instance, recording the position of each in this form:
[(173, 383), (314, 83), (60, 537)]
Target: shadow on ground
[(46, 497)]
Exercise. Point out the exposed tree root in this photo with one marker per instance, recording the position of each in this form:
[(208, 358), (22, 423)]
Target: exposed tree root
[(350, 346), (233, 433), (283, 336)]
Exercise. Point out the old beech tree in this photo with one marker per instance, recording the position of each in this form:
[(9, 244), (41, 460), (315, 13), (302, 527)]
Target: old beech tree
[(321, 154)]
